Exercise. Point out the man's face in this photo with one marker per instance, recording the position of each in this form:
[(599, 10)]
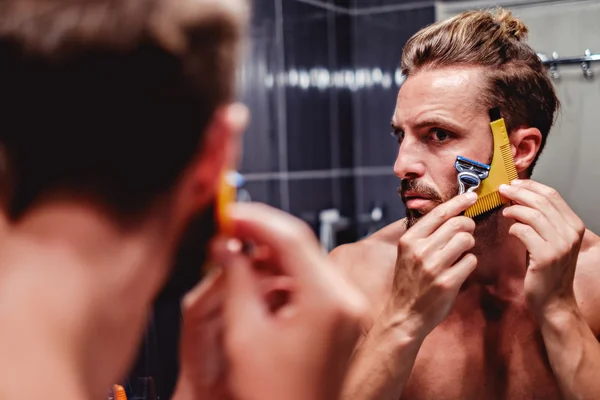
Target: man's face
[(438, 116)]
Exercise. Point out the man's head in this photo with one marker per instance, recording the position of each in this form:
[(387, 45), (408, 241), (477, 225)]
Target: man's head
[(124, 103), (456, 70)]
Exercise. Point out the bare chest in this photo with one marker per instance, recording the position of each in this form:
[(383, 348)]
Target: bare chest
[(477, 359)]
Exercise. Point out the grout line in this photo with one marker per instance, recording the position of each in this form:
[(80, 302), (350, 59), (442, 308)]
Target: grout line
[(284, 192), (392, 8), (326, 6), (318, 174), (334, 138), (356, 148), (355, 11)]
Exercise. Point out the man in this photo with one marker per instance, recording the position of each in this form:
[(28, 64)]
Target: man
[(504, 306), (117, 122)]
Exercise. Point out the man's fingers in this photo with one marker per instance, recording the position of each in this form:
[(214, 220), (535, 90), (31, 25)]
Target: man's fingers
[(205, 298), (555, 198), (530, 238), (242, 298), (449, 229), (457, 246), (453, 278), (526, 197), (432, 221), (289, 239), (535, 219)]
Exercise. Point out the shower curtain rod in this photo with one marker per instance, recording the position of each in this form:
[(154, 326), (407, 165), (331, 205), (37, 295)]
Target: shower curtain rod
[(555, 60)]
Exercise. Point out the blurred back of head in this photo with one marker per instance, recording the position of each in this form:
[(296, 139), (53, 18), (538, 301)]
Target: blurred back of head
[(109, 99)]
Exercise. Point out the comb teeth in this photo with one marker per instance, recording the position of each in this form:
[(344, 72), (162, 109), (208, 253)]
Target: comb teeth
[(509, 163), (485, 203)]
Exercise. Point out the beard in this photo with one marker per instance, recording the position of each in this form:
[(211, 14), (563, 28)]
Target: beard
[(413, 216)]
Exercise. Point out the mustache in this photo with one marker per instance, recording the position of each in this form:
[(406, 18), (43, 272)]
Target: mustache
[(411, 185)]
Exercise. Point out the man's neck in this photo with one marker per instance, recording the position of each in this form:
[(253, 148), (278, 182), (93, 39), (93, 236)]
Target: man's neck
[(75, 290), (501, 265)]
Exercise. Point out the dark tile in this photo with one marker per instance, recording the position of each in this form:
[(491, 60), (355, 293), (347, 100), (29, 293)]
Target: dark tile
[(342, 98), (378, 41), (260, 64), (308, 197), (266, 191), (378, 191), (344, 199), (376, 3), (346, 4), (308, 108)]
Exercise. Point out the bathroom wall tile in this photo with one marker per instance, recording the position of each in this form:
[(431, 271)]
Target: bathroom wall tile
[(308, 197), (342, 109), (377, 3), (257, 90), (308, 110), (267, 191), (378, 191), (378, 41)]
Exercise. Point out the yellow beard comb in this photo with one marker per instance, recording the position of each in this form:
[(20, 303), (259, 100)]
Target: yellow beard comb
[(502, 170), (226, 194)]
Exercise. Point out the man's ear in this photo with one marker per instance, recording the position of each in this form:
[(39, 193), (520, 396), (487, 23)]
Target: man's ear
[(525, 145), (220, 150)]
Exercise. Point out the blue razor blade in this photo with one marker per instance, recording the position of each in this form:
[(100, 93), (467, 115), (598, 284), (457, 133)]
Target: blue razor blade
[(472, 162)]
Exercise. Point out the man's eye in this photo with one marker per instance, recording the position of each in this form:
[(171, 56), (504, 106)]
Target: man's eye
[(439, 135)]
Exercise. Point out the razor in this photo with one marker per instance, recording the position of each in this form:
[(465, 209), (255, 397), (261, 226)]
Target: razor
[(470, 173)]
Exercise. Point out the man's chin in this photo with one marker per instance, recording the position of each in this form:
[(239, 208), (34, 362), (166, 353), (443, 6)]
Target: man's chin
[(412, 217)]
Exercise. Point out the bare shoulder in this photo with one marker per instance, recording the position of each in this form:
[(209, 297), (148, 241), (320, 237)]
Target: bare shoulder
[(369, 263), (378, 247), (587, 280)]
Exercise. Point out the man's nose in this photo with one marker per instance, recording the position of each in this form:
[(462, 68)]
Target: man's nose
[(409, 162)]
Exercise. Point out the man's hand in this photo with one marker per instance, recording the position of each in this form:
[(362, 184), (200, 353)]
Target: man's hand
[(552, 234), (431, 266), (285, 334), (202, 361), (301, 348)]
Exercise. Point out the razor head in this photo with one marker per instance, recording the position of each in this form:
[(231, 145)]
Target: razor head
[(468, 182), (463, 164)]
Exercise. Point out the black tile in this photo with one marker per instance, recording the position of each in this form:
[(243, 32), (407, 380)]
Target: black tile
[(260, 143), (344, 198), (378, 191), (342, 111), (376, 3), (308, 197), (265, 191), (308, 109), (378, 41)]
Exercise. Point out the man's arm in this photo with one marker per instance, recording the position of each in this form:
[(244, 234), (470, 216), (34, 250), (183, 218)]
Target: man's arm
[(553, 236), (381, 364), (573, 352), (384, 356), (430, 265)]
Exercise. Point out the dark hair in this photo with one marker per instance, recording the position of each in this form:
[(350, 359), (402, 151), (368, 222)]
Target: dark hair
[(110, 98), (516, 80)]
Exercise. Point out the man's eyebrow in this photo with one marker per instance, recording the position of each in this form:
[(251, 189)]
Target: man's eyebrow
[(395, 127), (438, 122)]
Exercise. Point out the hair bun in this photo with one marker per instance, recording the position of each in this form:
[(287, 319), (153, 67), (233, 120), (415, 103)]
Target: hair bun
[(510, 25)]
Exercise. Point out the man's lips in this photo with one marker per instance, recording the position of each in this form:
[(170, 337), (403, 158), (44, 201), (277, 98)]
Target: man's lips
[(416, 200)]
